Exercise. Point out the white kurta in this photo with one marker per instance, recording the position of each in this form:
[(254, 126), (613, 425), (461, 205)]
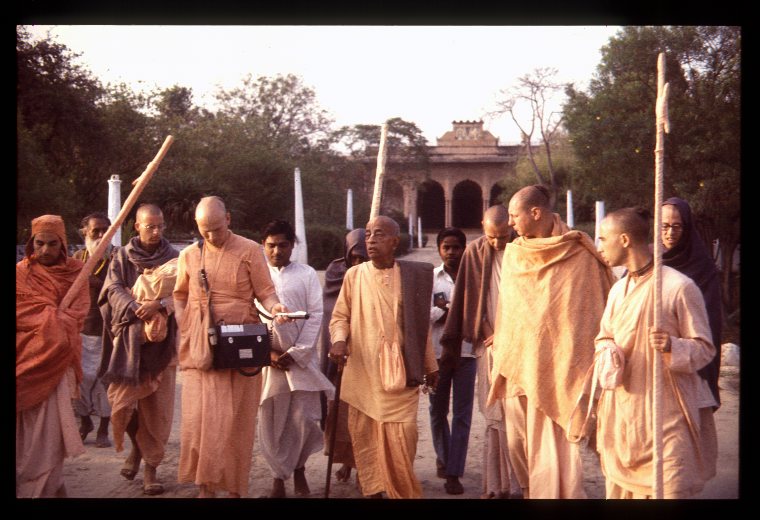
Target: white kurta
[(290, 409)]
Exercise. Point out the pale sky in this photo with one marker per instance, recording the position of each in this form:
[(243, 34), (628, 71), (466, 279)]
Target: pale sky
[(429, 75)]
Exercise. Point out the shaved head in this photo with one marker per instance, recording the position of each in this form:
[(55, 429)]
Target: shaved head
[(535, 196), (213, 220), (387, 223), (147, 210), (633, 221), (209, 205), (496, 215)]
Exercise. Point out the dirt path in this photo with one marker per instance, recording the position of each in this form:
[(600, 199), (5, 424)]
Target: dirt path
[(96, 474)]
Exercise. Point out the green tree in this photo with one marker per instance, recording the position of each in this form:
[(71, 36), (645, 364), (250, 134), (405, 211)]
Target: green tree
[(613, 132)]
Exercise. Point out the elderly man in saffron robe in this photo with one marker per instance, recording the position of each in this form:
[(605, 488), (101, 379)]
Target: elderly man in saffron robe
[(383, 302), (624, 427), (553, 288), (48, 360), (219, 407)]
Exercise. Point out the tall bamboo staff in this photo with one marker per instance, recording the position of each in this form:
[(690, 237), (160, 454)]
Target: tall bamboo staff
[(382, 155), (662, 126), (139, 185)]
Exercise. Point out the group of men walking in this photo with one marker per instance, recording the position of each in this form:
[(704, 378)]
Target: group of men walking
[(519, 318)]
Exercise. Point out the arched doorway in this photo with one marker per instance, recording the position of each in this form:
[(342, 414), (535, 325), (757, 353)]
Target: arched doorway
[(431, 205), (496, 192), (467, 205)]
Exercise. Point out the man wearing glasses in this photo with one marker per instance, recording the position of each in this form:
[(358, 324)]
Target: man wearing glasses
[(140, 373)]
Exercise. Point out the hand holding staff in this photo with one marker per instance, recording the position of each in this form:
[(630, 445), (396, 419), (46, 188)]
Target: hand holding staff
[(96, 256)]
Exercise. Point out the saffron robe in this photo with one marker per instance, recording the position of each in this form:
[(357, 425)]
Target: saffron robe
[(624, 429), (384, 453), (219, 407)]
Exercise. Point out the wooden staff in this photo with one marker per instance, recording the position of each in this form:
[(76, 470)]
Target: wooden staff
[(382, 155), (334, 433), (662, 126), (139, 185)]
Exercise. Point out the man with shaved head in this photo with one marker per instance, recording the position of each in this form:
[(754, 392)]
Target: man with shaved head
[(552, 293), (384, 303), (140, 373), (48, 360), (219, 406), (468, 333), (624, 426)]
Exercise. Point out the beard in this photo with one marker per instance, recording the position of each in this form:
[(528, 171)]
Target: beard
[(92, 244)]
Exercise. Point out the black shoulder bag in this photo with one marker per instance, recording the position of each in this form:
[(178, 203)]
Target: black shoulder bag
[(236, 346)]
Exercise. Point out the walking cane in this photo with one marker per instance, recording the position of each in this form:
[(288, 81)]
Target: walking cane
[(336, 409)]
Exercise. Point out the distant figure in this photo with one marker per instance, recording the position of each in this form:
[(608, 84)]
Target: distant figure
[(48, 360), (219, 407), (455, 384), (141, 371), (624, 417), (686, 252), (290, 410), (93, 398), (553, 288), (355, 254), (470, 328), (384, 303)]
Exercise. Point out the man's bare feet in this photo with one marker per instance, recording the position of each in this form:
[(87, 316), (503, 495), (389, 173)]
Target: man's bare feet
[(300, 485), (343, 474), (101, 441), (151, 486), (203, 492), (132, 463), (85, 426), (278, 489)]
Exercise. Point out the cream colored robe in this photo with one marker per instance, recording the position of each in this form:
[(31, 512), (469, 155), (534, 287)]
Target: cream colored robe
[(219, 406), (624, 428), (551, 298), (384, 452)]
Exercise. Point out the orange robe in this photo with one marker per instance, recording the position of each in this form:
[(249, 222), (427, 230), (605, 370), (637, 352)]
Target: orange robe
[(48, 372), (218, 406)]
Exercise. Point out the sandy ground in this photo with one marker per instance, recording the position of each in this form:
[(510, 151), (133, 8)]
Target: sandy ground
[(96, 473)]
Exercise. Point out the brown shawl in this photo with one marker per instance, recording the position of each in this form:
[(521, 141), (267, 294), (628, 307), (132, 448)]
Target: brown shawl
[(551, 298), (469, 305)]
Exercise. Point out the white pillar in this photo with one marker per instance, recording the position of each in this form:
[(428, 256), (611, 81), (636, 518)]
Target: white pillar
[(114, 206), (350, 210), (300, 251), (411, 232), (599, 217), (419, 232), (570, 218)]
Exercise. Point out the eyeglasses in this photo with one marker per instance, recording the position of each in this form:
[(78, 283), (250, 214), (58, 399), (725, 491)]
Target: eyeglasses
[(677, 228), (153, 227)]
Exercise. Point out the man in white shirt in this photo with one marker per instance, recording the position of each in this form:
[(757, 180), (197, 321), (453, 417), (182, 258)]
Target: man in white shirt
[(290, 409), (457, 383)]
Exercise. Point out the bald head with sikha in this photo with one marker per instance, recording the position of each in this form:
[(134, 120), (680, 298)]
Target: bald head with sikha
[(530, 212), (213, 220), (496, 227)]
